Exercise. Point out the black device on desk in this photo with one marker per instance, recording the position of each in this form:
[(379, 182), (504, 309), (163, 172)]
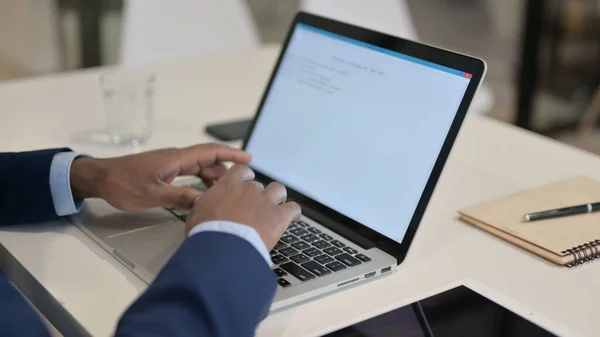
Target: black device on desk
[(454, 313), (229, 131)]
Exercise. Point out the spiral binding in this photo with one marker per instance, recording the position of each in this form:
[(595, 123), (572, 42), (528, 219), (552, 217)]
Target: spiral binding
[(584, 253)]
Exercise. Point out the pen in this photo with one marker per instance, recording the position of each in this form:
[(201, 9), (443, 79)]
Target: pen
[(559, 212)]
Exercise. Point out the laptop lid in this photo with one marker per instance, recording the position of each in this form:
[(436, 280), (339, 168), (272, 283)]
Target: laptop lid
[(358, 125)]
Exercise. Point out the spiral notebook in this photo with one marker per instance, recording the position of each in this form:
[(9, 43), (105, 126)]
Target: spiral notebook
[(567, 241)]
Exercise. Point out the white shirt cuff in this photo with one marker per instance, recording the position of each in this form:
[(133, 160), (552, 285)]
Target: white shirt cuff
[(60, 183), (245, 232)]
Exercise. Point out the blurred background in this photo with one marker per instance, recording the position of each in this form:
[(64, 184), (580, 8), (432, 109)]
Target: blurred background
[(543, 55)]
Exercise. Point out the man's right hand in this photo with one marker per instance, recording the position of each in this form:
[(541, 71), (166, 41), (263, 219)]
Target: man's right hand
[(238, 198)]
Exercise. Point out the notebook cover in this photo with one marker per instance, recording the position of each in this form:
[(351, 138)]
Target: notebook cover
[(558, 259), (547, 238)]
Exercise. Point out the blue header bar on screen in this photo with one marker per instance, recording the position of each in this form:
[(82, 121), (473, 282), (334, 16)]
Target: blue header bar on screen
[(385, 51)]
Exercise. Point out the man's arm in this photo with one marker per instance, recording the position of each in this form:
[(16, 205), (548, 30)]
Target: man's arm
[(17, 318), (220, 281), (45, 185), (217, 284), (25, 193)]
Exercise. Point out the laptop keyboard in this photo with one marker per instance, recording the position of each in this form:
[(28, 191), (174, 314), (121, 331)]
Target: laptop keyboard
[(303, 252)]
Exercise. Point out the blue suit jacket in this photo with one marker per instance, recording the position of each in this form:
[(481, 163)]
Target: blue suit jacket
[(216, 284)]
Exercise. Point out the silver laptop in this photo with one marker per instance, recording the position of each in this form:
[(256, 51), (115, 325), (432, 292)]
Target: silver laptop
[(358, 125)]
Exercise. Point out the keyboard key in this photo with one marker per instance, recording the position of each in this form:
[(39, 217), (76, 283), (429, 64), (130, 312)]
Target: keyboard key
[(279, 272), (273, 252), (299, 231), (337, 243), (312, 252), (292, 226), (316, 268), (279, 245), (314, 230), (348, 260), (303, 224), (299, 272), (283, 282), (289, 238), (321, 244), (332, 251), (323, 259), (309, 238), (335, 266), (326, 237), (363, 257), (300, 245), (300, 258), (350, 250), (279, 259), (289, 251)]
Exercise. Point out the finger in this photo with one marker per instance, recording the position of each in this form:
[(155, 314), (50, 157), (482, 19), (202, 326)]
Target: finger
[(207, 154), (276, 192), (239, 173), (257, 185), (192, 211), (212, 173), (178, 197), (291, 213)]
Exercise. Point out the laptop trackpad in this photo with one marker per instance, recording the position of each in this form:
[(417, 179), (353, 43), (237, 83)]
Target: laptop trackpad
[(150, 247), (103, 220), (142, 240)]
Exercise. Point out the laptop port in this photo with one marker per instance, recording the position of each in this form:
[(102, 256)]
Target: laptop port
[(386, 269), (371, 274)]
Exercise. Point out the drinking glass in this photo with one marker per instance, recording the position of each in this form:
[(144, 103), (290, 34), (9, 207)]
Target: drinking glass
[(128, 97)]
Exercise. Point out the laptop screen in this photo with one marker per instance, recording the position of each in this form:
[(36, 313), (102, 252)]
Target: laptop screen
[(355, 127)]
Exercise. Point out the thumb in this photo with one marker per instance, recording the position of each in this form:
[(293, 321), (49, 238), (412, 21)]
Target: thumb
[(291, 213), (178, 197)]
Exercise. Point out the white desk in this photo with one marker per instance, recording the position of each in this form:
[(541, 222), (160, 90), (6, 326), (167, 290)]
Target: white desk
[(489, 160)]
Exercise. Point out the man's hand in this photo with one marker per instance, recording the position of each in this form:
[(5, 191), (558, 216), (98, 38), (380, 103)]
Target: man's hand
[(142, 181), (236, 197)]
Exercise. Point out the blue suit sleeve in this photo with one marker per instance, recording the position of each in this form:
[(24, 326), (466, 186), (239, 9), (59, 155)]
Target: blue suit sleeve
[(17, 318), (25, 194), (217, 284)]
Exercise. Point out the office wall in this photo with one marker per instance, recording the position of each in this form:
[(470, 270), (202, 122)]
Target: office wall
[(29, 40)]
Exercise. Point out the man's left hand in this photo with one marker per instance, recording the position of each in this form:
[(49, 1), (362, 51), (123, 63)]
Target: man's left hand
[(142, 181)]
